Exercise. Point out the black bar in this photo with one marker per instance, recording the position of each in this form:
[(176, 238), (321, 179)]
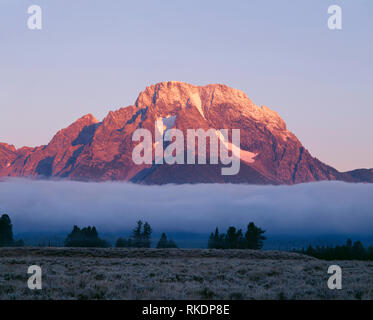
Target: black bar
[(134, 310)]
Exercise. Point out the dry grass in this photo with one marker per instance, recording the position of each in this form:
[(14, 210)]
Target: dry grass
[(177, 274)]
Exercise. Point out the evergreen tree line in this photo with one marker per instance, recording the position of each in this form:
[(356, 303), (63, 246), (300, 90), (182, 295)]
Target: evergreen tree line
[(85, 237), (349, 251), (141, 238), (165, 243), (232, 239), (235, 239), (89, 237)]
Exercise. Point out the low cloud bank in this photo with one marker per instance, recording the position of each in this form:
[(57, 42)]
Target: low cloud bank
[(305, 209)]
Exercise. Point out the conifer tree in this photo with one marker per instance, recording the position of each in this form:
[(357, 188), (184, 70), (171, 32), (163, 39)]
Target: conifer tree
[(163, 242), (254, 237), (146, 236), (6, 231), (137, 235)]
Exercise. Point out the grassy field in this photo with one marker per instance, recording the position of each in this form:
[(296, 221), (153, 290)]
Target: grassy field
[(74, 273)]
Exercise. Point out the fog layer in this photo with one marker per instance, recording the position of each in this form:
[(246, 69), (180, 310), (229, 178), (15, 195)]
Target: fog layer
[(313, 208)]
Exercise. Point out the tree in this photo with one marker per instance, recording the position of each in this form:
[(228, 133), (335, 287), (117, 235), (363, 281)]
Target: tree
[(141, 235), (86, 237), (254, 237), (165, 243), (6, 231), (234, 239), (146, 236), (240, 240), (136, 235), (349, 251), (216, 240), (231, 238), (121, 243), (172, 244), (212, 242), (358, 251), (370, 253)]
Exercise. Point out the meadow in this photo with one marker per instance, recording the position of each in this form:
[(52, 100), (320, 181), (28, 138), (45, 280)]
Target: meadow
[(77, 273)]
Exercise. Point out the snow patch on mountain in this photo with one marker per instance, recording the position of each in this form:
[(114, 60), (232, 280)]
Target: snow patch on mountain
[(243, 155), (195, 100)]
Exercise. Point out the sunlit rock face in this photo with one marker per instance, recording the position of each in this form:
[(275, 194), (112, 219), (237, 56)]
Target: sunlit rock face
[(98, 151), (7, 155)]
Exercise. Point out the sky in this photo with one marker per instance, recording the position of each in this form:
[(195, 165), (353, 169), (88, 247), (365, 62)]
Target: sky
[(96, 56), (311, 209)]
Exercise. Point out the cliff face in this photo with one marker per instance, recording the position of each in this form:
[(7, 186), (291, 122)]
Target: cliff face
[(99, 151), (7, 155)]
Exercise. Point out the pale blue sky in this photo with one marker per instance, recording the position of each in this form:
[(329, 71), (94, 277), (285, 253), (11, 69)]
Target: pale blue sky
[(96, 56)]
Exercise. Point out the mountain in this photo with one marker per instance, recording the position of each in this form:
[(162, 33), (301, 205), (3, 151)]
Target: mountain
[(90, 150), (362, 175)]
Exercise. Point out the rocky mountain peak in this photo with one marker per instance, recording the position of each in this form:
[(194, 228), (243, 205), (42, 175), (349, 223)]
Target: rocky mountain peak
[(6, 146), (7, 154), (99, 151), (170, 97)]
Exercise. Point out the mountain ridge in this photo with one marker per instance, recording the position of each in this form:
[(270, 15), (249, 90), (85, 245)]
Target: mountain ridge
[(91, 150)]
